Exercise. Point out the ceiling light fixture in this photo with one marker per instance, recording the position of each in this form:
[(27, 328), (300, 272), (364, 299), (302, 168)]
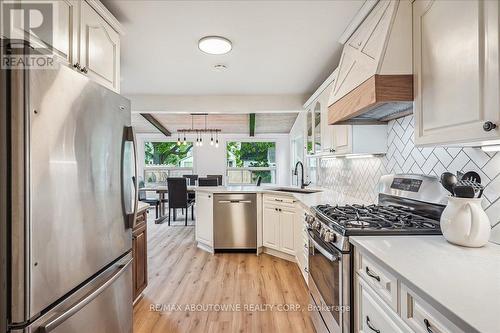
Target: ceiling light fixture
[(215, 45), (199, 132)]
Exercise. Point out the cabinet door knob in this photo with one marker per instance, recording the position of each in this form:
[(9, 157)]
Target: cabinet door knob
[(77, 66), (84, 70), (488, 126)]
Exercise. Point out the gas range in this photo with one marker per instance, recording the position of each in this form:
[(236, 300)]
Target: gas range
[(399, 212), (407, 205)]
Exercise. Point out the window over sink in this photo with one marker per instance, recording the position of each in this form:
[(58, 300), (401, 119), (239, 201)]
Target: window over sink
[(166, 159), (247, 160)]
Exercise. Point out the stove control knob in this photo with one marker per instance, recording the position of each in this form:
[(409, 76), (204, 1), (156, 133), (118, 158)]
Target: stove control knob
[(329, 237), (316, 225)]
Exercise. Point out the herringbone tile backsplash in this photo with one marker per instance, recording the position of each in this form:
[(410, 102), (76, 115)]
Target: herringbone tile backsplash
[(358, 177)]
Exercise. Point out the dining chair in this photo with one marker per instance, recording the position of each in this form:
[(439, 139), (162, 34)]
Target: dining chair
[(191, 179), (178, 197), (151, 201), (208, 182), (218, 177)]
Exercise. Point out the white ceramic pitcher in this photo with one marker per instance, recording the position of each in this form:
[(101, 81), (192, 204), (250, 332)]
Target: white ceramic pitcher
[(464, 222)]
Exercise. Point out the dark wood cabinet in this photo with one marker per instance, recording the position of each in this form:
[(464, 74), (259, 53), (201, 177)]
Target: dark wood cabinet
[(140, 253)]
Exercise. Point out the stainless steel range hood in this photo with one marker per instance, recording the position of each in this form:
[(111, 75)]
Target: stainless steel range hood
[(375, 80)]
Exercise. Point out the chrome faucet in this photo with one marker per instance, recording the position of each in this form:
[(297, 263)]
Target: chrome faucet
[(295, 172)]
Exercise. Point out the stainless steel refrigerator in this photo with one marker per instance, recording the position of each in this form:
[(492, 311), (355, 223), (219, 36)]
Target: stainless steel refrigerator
[(69, 199)]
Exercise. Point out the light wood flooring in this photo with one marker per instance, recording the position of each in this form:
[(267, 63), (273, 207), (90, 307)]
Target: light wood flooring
[(181, 274)]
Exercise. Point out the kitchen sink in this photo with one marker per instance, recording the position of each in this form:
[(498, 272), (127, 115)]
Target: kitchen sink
[(296, 190)]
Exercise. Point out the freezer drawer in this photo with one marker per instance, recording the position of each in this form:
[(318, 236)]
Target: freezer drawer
[(235, 221), (103, 305)]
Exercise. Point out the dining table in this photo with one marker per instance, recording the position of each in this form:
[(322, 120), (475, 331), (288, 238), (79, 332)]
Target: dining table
[(162, 190)]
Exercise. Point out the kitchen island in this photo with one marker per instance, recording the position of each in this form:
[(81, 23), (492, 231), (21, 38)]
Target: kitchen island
[(279, 217)]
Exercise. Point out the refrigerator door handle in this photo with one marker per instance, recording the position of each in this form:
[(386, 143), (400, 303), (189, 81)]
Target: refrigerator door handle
[(130, 182), (58, 319)]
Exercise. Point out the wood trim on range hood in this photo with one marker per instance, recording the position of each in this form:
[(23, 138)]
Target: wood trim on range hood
[(371, 94)]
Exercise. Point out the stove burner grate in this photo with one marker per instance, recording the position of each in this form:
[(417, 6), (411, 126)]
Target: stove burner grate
[(373, 217)]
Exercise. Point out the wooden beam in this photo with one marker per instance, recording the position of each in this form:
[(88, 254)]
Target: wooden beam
[(156, 124), (375, 91), (252, 124)]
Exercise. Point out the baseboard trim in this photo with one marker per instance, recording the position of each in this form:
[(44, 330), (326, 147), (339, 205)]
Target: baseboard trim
[(279, 254)]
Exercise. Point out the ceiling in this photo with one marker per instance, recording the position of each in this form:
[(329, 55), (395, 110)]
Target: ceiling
[(279, 47), (229, 123)]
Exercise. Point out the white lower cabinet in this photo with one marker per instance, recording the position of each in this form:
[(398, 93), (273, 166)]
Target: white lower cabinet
[(271, 227), (385, 304), (204, 220), (379, 279), (421, 316), (372, 314), (278, 227), (287, 226), (302, 243), (284, 230)]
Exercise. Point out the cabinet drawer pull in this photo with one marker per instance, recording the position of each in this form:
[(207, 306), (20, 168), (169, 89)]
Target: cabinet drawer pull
[(369, 324), (428, 326), (279, 200), (370, 274)]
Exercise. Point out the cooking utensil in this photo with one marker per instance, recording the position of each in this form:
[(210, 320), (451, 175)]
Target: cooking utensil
[(472, 176), (464, 191), (477, 187), (448, 180)]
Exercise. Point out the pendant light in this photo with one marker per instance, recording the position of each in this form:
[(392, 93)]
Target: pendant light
[(199, 133)]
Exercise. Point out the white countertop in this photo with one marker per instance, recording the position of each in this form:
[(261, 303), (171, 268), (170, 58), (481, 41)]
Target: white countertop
[(461, 282), (306, 199), (141, 206)]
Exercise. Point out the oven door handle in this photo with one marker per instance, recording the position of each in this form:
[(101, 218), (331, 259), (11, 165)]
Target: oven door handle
[(321, 249)]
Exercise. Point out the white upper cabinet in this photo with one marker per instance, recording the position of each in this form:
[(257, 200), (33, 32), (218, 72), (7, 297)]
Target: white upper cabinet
[(456, 63), (342, 139), (362, 52), (360, 139), (100, 48), (83, 34), (60, 37)]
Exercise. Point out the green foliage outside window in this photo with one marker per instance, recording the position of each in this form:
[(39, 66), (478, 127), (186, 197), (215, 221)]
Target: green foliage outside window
[(252, 154), (168, 154)]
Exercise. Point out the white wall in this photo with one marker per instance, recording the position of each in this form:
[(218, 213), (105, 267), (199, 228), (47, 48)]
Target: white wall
[(211, 160)]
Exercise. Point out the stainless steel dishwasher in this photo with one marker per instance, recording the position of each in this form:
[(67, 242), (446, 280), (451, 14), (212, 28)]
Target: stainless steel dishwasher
[(235, 221)]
